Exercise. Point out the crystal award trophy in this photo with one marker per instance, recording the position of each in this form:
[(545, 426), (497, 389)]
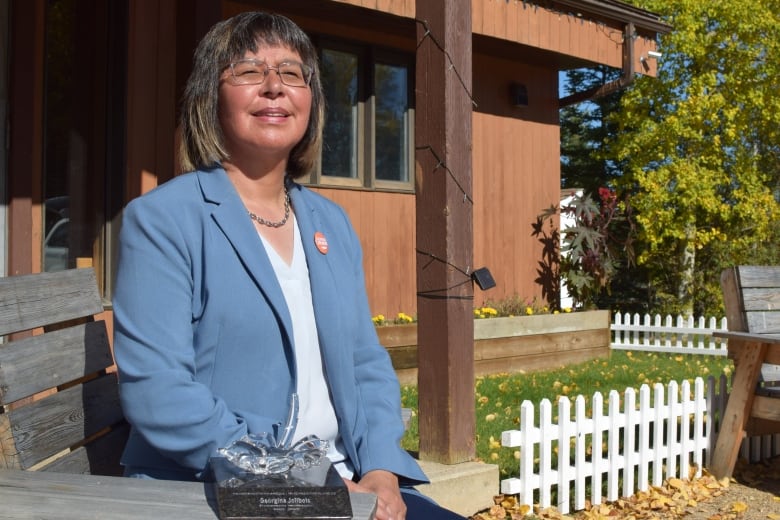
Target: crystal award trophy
[(262, 477)]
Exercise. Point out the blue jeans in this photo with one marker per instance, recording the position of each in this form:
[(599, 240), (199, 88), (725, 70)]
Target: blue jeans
[(420, 507)]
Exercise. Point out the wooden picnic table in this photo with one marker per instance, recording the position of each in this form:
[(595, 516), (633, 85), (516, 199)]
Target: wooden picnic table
[(66, 496), (747, 409)]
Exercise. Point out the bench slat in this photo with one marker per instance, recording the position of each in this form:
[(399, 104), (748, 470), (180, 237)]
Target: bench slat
[(765, 407), (761, 299), (57, 422), (752, 276), (100, 456), (31, 301), (59, 402), (34, 364), (763, 322)]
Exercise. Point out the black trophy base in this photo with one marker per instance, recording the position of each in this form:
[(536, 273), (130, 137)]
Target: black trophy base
[(317, 493)]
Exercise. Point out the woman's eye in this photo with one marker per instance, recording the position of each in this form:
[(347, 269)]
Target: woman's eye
[(292, 73)]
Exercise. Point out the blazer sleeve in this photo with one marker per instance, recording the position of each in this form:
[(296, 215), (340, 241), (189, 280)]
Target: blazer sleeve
[(153, 345), (378, 393)]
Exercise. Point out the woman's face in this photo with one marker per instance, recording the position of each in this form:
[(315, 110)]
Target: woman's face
[(265, 120)]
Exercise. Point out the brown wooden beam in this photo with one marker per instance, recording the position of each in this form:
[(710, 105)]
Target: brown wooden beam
[(25, 112), (444, 231)]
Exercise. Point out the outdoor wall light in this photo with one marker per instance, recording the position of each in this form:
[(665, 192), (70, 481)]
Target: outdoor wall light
[(518, 95), (651, 55), (483, 278)]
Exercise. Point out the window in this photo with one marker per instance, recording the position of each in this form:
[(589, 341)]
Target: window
[(83, 141), (340, 135), (368, 135)]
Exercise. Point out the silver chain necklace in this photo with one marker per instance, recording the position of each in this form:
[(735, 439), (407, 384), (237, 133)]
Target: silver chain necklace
[(280, 223)]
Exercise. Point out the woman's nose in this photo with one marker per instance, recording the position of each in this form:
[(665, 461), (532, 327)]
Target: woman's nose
[(272, 85)]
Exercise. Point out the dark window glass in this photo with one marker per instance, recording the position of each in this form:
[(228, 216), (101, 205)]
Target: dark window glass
[(83, 117), (391, 122), (340, 82), (368, 131)]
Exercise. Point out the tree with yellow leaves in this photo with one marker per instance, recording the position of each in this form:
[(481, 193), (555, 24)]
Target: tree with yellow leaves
[(701, 148)]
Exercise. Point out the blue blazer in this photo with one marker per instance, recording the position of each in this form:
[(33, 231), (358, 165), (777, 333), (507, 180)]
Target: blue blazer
[(203, 338)]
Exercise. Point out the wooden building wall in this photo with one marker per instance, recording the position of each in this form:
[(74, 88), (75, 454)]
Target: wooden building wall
[(516, 165), (385, 223), (516, 175), (515, 153), (516, 150), (404, 8), (560, 29)]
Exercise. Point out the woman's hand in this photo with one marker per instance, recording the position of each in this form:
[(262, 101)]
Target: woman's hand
[(389, 505)]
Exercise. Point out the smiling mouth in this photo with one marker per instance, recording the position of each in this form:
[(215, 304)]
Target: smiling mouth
[(271, 113)]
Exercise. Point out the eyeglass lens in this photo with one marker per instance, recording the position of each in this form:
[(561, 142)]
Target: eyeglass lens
[(253, 72)]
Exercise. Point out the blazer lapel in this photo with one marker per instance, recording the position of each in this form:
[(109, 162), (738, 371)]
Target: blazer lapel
[(324, 285), (231, 218)]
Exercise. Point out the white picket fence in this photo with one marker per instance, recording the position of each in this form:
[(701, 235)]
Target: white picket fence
[(659, 439), (669, 433), (669, 334)]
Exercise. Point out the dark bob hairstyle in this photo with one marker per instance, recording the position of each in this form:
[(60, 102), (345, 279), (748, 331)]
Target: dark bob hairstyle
[(202, 143)]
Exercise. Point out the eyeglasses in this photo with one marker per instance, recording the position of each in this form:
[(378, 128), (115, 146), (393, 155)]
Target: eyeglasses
[(254, 72)]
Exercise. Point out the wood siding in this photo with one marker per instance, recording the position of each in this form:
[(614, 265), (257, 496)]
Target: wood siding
[(397, 7), (515, 156), (516, 172), (516, 175), (385, 223), (151, 100), (566, 33)]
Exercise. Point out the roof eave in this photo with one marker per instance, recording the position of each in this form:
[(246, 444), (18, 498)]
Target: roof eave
[(620, 11)]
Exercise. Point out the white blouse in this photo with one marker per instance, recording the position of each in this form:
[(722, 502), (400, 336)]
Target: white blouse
[(316, 413)]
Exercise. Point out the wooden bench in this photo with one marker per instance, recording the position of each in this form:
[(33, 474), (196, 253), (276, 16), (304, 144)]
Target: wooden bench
[(752, 298), (59, 398)]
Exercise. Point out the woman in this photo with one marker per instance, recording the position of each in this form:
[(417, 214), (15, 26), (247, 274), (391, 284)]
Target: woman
[(237, 287)]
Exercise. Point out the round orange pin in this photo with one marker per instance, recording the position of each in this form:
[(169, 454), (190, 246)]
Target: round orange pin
[(321, 242)]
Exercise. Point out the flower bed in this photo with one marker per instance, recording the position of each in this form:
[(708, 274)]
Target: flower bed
[(513, 344)]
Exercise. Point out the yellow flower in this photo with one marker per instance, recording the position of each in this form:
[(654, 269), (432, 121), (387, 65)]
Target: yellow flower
[(404, 318), (489, 311), (529, 311)]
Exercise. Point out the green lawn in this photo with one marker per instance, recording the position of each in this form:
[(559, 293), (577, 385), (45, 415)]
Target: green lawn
[(498, 397)]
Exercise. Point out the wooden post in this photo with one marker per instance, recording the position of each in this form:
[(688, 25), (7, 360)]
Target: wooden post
[(748, 357), (444, 231), (25, 134)]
